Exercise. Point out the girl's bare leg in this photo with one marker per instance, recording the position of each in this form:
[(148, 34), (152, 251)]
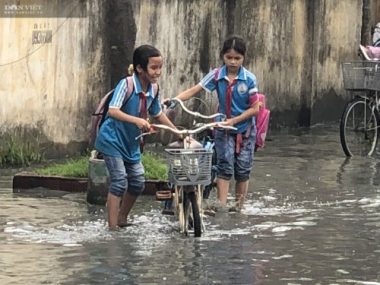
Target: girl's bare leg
[(113, 205), (223, 186), (241, 189), (126, 205)]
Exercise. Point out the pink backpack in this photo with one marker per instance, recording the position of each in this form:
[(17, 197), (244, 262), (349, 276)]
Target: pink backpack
[(262, 120)]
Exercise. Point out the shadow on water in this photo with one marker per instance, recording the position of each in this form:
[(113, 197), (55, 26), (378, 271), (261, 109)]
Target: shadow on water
[(311, 217)]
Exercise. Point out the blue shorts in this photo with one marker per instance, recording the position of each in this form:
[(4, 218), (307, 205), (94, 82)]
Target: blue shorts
[(125, 176), (230, 163)]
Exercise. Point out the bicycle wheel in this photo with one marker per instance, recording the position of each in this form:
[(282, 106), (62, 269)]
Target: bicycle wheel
[(359, 128), (192, 216)]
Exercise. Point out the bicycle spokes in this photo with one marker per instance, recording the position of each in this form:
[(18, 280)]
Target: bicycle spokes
[(359, 128)]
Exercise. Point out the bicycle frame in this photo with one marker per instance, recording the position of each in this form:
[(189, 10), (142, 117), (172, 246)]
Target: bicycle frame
[(183, 189), (374, 102), (189, 191)]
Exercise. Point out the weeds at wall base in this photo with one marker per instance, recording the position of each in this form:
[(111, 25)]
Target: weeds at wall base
[(13, 153)]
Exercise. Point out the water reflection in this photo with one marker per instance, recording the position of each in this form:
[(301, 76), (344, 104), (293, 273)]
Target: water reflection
[(312, 217), (363, 170)]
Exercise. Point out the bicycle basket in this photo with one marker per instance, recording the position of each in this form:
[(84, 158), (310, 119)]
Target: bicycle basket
[(189, 166), (373, 77), (355, 74)]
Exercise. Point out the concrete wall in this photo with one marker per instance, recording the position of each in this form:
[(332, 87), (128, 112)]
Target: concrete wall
[(49, 67), (295, 48), (337, 28)]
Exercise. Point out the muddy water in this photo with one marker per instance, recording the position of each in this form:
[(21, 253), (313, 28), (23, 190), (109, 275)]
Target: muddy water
[(312, 217)]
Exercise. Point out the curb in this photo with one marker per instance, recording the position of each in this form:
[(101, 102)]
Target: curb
[(24, 181)]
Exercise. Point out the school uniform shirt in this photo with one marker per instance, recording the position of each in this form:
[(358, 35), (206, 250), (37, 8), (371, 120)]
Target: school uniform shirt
[(118, 138), (245, 86)]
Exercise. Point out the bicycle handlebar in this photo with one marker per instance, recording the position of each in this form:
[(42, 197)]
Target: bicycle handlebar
[(188, 132), (195, 114)]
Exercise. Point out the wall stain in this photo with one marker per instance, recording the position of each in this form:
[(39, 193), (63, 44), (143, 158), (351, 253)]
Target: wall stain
[(295, 49), (121, 31)]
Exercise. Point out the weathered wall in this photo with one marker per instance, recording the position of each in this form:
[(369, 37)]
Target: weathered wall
[(337, 33), (188, 34), (295, 48), (46, 83), (280, 46)]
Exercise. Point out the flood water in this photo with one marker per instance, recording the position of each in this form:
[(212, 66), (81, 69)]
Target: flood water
[(312, 217)]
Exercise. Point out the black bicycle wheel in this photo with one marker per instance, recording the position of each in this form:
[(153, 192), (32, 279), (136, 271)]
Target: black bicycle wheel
[(359, 128), (192, 215)]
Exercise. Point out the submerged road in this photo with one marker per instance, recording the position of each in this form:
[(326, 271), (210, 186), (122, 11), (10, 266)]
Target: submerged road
[(312, 217)]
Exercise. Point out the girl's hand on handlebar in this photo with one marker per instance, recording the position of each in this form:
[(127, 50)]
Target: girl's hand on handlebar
[(169, 103), (143, 124), (229, 122)]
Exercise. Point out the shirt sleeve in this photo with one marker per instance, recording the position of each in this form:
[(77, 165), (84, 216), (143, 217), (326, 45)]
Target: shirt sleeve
[(208, 82), (253, 99), (119, 94), (252, 90)]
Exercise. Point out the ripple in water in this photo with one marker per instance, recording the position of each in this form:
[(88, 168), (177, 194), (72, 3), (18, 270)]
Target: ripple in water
[(146, 227), (66, 235)]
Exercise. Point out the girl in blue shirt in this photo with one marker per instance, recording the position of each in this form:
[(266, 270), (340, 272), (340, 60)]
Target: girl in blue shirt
[(235, 86), (116, 138)]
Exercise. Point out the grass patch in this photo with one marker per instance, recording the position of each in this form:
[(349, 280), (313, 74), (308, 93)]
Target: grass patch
[(155, 167), (72, 168)]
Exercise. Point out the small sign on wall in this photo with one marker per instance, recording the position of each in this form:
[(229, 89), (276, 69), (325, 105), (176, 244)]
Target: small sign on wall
[(42, 36)]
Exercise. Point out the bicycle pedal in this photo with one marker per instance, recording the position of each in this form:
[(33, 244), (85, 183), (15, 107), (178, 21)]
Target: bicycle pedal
[(163, 195)]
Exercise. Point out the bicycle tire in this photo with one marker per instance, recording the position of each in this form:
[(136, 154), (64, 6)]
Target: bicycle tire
[(192, 217), (359, 128)]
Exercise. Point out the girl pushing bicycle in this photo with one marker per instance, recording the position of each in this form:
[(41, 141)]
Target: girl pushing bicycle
[(126, 119), (235, 87)]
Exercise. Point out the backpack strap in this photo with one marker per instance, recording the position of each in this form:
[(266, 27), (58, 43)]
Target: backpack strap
[(129, 91)]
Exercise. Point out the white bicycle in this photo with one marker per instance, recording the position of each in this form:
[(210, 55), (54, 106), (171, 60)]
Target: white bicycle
[(189, 172)]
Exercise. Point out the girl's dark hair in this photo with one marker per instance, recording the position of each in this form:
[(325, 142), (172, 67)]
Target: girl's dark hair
[(233, 42), (142, 54)]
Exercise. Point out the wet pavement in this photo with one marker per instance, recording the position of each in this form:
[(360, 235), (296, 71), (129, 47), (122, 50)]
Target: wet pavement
[(312, 217)]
